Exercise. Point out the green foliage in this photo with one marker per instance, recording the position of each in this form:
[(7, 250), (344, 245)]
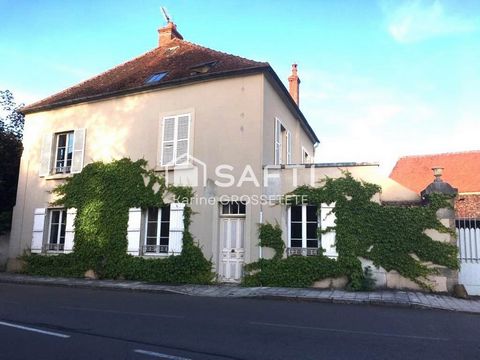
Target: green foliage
[(103, 194), (393, 237), (11, 128), (271, 236)]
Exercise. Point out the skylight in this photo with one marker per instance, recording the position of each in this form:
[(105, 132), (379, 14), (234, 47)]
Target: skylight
[(156, 77), (202, 68)]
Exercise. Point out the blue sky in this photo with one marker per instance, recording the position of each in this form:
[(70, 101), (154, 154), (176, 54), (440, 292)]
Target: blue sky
[(380, 79)]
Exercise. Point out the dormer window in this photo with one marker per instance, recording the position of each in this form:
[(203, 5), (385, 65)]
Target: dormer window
[(202, 68), (155, 78)]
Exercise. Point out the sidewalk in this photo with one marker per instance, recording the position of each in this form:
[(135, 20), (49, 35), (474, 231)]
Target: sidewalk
[(383, 297)]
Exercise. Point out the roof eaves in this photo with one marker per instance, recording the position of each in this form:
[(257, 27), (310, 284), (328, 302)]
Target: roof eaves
[(149, 87)]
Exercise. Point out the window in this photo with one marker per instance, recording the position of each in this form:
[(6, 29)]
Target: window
[(303, 230), (56, 230), (175, 140), (283, 144), (232, 208), (202, 68), (157, 234), (63, 152), (155, 78)]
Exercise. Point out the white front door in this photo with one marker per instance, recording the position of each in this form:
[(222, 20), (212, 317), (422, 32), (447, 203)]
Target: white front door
[(232, 251)]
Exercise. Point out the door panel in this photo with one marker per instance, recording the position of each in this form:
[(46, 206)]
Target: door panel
[(232, 250)]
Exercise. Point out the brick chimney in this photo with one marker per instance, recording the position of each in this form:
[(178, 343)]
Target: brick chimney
[(294, 85), (168, 33)]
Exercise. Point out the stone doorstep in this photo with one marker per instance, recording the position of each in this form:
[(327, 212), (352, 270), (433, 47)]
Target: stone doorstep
[(385, 298)]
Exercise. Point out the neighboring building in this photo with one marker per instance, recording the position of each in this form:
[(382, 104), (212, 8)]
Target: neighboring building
[(462, 171), (199, 117)]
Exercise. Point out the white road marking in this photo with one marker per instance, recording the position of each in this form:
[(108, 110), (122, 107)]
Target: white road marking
[(123, 312), (159, 355), (349, 331), (34, 330)]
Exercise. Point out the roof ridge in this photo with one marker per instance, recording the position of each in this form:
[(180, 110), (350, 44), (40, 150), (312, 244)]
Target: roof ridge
[(440, 154), (220, 52), (90, 79)]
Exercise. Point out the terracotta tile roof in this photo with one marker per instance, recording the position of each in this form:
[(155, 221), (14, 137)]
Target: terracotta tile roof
[(177, 57), (461, 170)]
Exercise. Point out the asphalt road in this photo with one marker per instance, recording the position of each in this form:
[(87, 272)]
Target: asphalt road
[(40, 322)]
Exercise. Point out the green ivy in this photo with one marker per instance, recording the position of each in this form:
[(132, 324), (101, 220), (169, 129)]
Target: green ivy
[(103, 194), (386, 235)]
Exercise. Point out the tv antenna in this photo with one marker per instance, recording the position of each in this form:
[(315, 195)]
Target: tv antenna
[(166, 15)]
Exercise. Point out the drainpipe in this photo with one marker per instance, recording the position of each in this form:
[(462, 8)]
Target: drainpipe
[(260, 253)]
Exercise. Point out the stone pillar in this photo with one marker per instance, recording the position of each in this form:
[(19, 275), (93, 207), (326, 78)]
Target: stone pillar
[(447, 278)]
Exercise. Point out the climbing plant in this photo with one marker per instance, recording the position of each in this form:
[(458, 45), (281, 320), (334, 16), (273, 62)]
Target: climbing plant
[(103, 193), (392, 237)]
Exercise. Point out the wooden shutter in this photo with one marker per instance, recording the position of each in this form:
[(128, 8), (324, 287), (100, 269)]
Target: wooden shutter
[(182, 139), (133, 231), (327, 219), (38, 228), (168, 142), (289, 147), (278, 142), (175, 241), (70, 230), (46, 156), (78, 150)]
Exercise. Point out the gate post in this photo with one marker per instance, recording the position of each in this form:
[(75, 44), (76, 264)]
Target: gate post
[(447, 278)]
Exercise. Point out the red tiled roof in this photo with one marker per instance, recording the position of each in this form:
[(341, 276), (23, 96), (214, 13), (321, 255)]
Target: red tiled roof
[(461, 170), (177, 57)]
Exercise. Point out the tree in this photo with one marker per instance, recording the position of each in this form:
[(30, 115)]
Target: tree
[(11, 131)]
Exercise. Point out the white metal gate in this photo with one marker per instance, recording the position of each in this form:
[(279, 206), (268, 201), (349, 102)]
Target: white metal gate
[(232, 251), (468, 241)]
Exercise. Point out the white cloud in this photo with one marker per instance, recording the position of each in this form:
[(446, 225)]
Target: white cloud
[(417, 20)]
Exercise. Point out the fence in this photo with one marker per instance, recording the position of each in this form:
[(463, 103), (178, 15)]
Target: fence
[(468, 239)]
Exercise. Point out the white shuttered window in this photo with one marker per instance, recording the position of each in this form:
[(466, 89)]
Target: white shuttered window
[(176, 140)]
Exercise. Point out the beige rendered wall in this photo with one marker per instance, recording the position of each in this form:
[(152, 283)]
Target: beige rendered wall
[(226, 124), (275, 107)]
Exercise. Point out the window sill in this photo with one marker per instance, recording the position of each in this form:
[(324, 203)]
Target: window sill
[(158, 255), (161, 168), (58, 176)]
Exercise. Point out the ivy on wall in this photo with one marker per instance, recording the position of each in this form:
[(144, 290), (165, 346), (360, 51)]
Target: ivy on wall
[(103, 194), (393, 237)]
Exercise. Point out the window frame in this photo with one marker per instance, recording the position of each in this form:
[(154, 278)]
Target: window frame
[(175, 140), (304, 158), (304, 249), (62, 223), (69, 143), (241, 208), (158, 236), (281, 132)]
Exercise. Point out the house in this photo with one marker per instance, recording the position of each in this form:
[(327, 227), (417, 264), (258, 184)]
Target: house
[(461, 170), (223, 124)]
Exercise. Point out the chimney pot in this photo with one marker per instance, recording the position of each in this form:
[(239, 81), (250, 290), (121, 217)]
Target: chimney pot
[(294, 85)]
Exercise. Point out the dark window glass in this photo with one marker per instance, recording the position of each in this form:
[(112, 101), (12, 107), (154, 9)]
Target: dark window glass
[(55, 217), (312, 213), (296, 231), (152, 214), (62, 140), (296, 243), (164, 241), (242, 208), (166, 213), (164, 229), (312, 230), (54, 234), (312, 243), (152, 229), (296, 213), (234, 206)]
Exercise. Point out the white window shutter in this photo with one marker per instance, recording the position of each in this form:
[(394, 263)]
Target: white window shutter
[(278, 142), (182, 141), (176, 228), (70, 230), (289, 147), (78, 150), (327, 219), (46, 156), (38, 228), (168, 142), (133, 230)]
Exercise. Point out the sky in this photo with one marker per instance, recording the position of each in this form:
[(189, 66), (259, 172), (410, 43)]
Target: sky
[(380, 79)]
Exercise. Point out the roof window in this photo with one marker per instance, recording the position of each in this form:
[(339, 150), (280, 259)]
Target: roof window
[(155, 78), (202, 68)]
